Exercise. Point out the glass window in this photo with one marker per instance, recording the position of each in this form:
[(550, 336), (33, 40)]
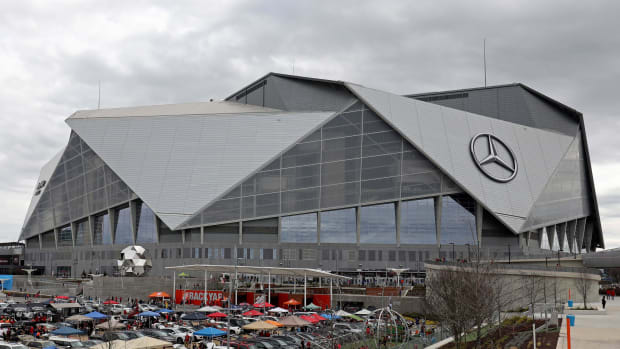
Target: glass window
[(82, 235), (339, 226), (103, 233), (417, 224), (300, 177), (340, 195), (166, 235), (123, 234), (338, 149), (302, 154), (64, 236), (340, 172), (343, 125), (381, 143), (378, 224), (222, 233), (300, 200), (299, 229), (458, 223), (381, 166), (192, 235), (146, 224), (380, 189), (222, 210), (259, 230)]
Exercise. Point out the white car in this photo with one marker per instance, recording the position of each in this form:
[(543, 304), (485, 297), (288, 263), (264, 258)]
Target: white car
[(347, 327), (233, 329), (176, 333), (7, 345)]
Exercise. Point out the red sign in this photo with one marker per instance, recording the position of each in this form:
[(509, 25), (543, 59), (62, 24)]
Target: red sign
[(197, 297)]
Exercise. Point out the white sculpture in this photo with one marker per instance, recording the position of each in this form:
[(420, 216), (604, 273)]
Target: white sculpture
[(133, 261)]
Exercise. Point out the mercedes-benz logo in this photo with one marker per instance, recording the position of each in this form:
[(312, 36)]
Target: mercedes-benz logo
[(498, 161)]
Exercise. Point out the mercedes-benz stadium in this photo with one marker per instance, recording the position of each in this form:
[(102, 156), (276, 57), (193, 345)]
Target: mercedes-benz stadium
[(300, 172)]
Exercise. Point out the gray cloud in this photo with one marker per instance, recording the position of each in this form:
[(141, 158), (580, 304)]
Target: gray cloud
[(53, 54)]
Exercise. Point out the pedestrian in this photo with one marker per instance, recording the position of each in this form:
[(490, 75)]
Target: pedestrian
[(604, 302), (303, 345)]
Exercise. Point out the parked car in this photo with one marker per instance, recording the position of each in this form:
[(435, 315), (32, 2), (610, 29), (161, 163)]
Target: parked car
[(65, 342), (7, 345), (158, 334), (37, 344)]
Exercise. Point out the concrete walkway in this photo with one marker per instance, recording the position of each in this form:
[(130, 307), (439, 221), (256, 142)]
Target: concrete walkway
[(594, 331)]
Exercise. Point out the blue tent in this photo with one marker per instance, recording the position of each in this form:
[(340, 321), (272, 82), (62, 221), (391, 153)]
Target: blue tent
[(165, 311), (66, 331), (148, 314), (330, 316), (209, 332), (96, 315)]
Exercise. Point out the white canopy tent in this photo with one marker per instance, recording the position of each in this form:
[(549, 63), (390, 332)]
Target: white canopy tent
[(257, 270)]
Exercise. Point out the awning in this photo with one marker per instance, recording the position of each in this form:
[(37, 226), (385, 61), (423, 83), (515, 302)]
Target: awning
[(244, 269)]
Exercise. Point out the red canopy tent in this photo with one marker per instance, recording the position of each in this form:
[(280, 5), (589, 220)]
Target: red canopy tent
[(318, 317), (253, 313), (310, 319), (110, 302), (217, 315), (62, 297)]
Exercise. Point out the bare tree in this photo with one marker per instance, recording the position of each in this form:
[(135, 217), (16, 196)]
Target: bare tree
[(444, 297), (462, 296), (582, 284), (532, 287)]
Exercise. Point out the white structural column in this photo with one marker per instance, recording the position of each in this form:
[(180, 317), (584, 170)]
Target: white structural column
[(174, 288), (438, 203), (331, 293), (269, 288), (204, 297), (305, 289)]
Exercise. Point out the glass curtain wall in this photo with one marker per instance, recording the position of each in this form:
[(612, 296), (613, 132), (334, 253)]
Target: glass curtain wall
[(299, 229), (146, 224), (82, 234), (102, 234), (458, 222), (123, 233), (378, 224), (417, 224), (355, 158), (339, 226)]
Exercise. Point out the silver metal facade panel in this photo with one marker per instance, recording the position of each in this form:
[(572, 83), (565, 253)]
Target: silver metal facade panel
[(44, 175), (441, 134), (188, 161), (200, 108)]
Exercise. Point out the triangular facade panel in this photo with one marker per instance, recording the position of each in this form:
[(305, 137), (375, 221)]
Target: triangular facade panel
[(565, 196), (176, 164), (444, 135), (354, 158), (80, 184)]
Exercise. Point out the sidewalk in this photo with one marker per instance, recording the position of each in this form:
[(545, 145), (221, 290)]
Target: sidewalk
[(594, 331)]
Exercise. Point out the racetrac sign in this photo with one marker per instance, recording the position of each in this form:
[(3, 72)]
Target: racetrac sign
[(198, 297)]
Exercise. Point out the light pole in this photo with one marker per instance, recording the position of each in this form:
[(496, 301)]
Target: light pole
[(359, 269)]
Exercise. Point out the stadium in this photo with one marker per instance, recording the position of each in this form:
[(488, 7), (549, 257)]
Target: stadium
[(292, 171)]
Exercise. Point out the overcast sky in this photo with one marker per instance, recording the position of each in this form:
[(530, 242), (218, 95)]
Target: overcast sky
[(53, 53)]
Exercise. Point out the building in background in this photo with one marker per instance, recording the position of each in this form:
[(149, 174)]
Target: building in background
[(301, 172)]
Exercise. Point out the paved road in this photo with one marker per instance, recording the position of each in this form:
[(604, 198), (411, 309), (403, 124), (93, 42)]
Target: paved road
[(594, 331)]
